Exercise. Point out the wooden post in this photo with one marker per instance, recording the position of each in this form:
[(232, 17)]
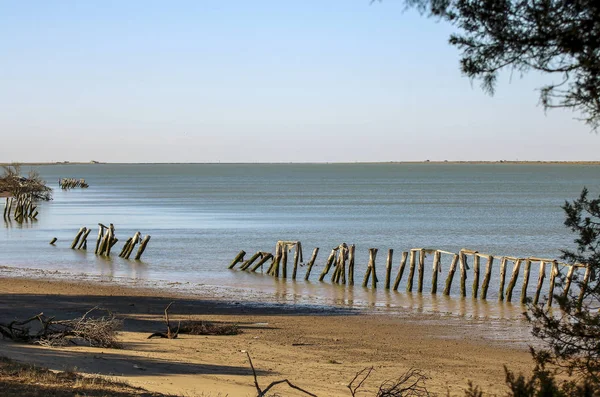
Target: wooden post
[(388, 268), (476, 262), (6, 207), (586, 278), (112, 240), (284, 254), (328, 264), (502, 279), (411, 272), (351, 264), (343, 250), (77, 236), (336, 270), (311, 262), (249, 262), (541, 276), (525, 281), (513, 280), (553, 274), (265, 257), (400, 270), (372, 256), (451, 272), (274, 268), (84, 239), (487, 277), (125, 247), (53, 240), (238, 258), (101, 228), (434, 274), (463, 274), (568, 282), (142, 247), (421, 270), (296, 259)]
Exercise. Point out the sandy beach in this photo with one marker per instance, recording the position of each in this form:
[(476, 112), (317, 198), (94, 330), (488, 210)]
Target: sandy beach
[(317, 349)]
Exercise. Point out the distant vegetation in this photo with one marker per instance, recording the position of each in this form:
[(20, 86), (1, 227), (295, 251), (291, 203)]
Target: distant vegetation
[(14, 183)]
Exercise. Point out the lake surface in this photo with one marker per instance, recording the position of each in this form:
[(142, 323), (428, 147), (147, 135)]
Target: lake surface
[(201, 215)]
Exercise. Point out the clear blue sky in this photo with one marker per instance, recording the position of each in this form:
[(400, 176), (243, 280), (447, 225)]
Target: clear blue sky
[(257, 81)]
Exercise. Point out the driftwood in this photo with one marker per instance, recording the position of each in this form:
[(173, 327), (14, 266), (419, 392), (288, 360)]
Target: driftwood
[(171, 333), (262, 393), (411, 383)]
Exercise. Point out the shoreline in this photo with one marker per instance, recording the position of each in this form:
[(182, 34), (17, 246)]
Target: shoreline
[(320, 351)]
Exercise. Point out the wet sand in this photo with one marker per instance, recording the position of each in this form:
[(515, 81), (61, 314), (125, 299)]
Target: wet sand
[(316, 348)]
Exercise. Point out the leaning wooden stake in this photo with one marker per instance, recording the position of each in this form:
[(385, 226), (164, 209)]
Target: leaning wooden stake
[(513, 280), (343, 256), (142, 247), (586, 279), (463, 274), (101, 228), (451, 275), (411, 272), (77, 237), (400, 270), (125, 247), (83, 242), (421, 270), (238, 258), (297, 258), (372, 256), (351, 264), (525, 281), (53, 240), (249, 262), (274, 269), (284, 255), (553, 274), (388, 268), (435, 270), (311, 262), (476, 263), (568, 282), (266, 256), (502, 279), (541, 276), (328, 264), (487, 277)]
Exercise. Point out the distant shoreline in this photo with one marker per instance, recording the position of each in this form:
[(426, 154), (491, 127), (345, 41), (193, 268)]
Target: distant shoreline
[(323, 163)]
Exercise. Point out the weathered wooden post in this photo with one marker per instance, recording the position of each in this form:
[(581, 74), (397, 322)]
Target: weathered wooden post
[(351, 264), (274, 268), (142, 247), (476, 262), (569, 279), (513, 279), (388, 268), (372, 256), (126, 247), (112, 240), (297, 258), (541, 276), (421, 270), (525, 280), (249, 262), (284, 255), (450, 277), (487, 277), (101, 228), (136, 239), (83, 243), (463, 273), (328, 264), (265, 257), (586, 279), (435, 269), (411, 271), (502, 279), (343, 255), (553, 274), (77, 237), (53, 240), (311, 262), (400, 270)]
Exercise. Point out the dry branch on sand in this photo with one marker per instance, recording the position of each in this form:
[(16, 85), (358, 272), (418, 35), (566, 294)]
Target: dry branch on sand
[(85, 330), (410, 384)]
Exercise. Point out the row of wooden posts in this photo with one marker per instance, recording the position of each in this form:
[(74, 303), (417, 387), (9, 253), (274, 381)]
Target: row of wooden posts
[(341, 259), (24, 208), (71, 183), (107, 239)]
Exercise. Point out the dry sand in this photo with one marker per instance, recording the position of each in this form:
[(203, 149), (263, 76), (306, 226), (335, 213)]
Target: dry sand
[(320, 350)]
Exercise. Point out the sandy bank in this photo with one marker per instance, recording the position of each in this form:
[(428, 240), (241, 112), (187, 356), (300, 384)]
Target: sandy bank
[(318, 350)]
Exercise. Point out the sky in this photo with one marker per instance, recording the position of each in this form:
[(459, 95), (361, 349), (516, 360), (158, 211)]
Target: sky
[(258, 81)]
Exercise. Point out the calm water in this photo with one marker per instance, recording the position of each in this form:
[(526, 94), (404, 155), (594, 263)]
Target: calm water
[(200, 216)]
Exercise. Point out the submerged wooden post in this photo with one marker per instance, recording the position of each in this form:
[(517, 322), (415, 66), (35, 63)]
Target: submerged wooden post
[(142, 247), (343, 250), (476, 262), (126, 247), (388, 268), (351, 264), (553, 274), (586, 278), (568, 282), (265, 257), (328, 264), (541, 276), (411, 272), (400, 270), (502, 278), (274, 269), (421, 270), (525, 280), (101, 228), (435, 269), (463, 274), (513, 280), (311, 262), (83, 243), (53, 240), (238, 258), (451, 272), (77, 236), (372, 256), (297, 255), (487, 277), (284, 254), (249, 262)]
